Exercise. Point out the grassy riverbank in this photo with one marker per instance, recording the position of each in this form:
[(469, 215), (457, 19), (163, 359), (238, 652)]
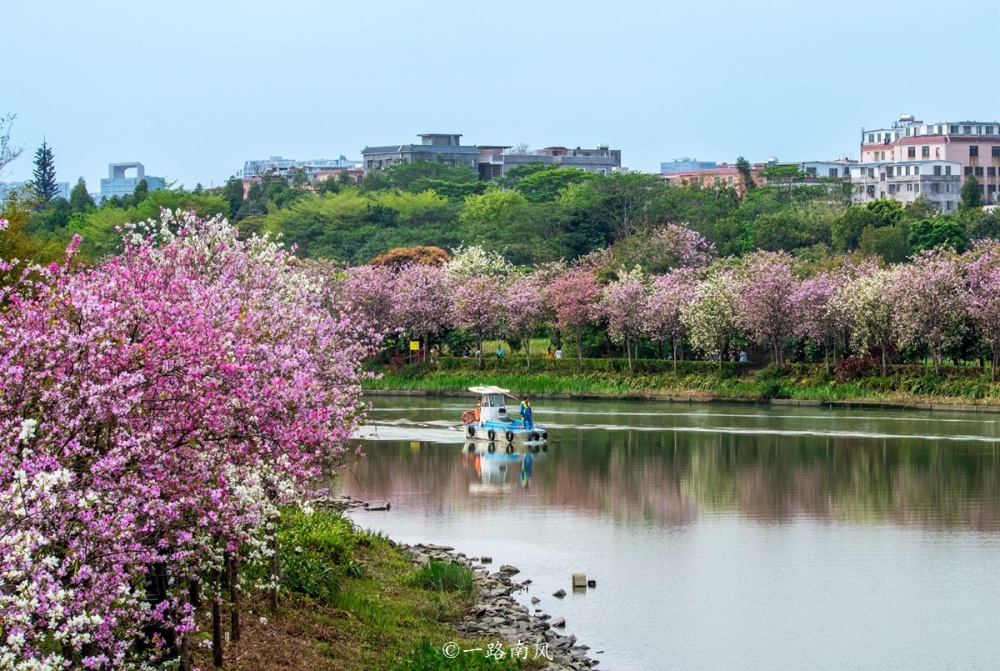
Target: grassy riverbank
[(353, 601), (854, 382)]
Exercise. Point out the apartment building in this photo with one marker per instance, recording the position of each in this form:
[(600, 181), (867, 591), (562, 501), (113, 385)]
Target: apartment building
[(445, 147), (495, 161), (905, 181), (974, 145)]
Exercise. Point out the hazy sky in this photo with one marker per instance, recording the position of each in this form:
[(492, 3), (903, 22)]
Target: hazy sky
[(193, 88)]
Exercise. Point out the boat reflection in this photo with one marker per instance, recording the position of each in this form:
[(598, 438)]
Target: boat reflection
[(493, 462)]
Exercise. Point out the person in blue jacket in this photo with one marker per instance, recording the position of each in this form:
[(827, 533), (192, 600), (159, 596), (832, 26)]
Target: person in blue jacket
[(526, 413)]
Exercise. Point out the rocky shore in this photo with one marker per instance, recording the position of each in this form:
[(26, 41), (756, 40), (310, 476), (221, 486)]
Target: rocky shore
[(497, 614)]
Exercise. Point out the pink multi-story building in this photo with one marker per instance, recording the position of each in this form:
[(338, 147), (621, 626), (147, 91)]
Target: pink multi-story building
[(974, 145)]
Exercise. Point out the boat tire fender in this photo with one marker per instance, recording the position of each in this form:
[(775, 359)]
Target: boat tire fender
[(509, 436), (534, 437), (470, 431), (491, 434)]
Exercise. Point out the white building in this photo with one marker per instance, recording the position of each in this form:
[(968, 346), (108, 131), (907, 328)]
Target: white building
[(940, 181)]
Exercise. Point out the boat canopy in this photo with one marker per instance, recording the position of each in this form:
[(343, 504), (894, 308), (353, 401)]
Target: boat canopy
[(488, 390)]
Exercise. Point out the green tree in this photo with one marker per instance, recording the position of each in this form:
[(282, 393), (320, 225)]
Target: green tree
[(846, 231), (54, 216), (141, 192), (624, 198), (985, 225), (888, 242), (300, 180), (972, 196), (79, 199), (545, 186), (886, 210), (329, 185), (922, 207), (414, 176), (232, 192), (512, 176), (481, 215), (44, 182), (746, 174), (931, 233)]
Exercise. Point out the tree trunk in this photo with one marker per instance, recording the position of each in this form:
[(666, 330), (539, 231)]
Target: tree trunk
[(883, 361), (527, 352), (579, 344), (673, 343), (234, 594), (479, 349), (272, 544), (217, 658)]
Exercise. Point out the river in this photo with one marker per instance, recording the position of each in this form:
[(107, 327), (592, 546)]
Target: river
[(719, 536)]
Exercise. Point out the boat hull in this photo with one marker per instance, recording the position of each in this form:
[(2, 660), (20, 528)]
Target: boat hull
[(506, 434)]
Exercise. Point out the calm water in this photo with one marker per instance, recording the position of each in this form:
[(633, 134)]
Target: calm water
[(720, 537)]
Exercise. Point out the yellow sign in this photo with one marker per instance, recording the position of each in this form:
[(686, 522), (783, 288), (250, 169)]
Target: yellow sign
[(414, 345)]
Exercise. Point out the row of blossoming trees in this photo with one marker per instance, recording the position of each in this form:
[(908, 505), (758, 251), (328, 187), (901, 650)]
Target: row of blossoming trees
[(929, 304), (154, 411)]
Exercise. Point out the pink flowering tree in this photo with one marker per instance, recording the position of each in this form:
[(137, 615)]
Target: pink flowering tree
[(574, 297), (766, 293), (667, 297), (931, 301), (822, 318), (983, 272), (624, 305), (526, 308), (422, 302), (366, 293), (477, 306), (153, 412), (676, 246)]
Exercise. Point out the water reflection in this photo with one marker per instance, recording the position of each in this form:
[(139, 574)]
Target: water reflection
[(814, 539), (670, 475), (495, 466)]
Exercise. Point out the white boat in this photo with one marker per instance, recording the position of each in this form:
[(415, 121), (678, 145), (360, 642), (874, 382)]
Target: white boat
[(489, 420)]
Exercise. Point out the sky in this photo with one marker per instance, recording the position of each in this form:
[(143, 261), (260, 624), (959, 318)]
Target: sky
[(193, 88)]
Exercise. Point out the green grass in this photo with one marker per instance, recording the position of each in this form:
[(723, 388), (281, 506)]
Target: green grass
[(904, 384), (442, 576), (353, 601)]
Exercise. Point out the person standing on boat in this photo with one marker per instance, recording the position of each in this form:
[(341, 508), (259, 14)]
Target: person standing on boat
[(526, 413)]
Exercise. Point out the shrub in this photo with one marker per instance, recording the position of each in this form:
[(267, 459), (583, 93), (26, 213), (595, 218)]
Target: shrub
[(856, 367), (446, 577)]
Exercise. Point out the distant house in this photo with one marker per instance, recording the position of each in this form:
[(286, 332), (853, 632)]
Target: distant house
[(443, 147), (495, 161), (685, 165), (807, 173), (491, 161), (315, 170)]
